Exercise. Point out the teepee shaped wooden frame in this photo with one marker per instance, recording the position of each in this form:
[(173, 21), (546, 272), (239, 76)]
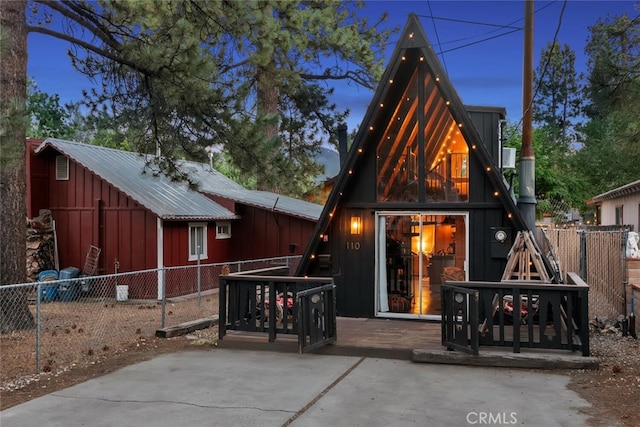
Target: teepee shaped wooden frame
[(525, 260)]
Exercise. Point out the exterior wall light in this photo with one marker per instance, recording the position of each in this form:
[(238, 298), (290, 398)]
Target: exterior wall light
[(356, 224)]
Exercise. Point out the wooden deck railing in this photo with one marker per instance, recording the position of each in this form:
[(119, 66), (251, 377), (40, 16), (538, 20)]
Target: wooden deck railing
[(517, 314), (254, 302)]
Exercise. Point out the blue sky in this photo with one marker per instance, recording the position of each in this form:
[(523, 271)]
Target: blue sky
[(486, 73)]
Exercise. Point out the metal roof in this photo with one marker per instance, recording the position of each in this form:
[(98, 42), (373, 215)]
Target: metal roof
[(214, 183), (631, 188), (169, 200)]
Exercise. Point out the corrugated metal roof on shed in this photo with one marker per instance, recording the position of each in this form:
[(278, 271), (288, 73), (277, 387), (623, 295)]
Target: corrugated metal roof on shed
[(271, 201), (213, 182), (167, 199)]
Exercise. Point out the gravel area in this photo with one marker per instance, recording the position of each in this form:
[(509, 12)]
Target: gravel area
[(613, 389)]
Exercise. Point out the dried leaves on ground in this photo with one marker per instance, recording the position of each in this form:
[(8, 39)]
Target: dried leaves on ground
[(613, 390)]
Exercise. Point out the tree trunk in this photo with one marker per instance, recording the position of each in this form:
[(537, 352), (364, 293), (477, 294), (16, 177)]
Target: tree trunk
[(14, 309), (268, 97)]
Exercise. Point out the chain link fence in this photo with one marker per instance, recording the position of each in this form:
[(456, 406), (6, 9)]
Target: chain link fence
[(53, 324)]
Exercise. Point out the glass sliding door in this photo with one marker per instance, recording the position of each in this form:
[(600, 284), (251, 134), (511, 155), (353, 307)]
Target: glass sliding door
[(415, 253)]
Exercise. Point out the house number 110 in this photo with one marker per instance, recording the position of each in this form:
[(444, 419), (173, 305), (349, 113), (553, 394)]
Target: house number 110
[(353, 246)]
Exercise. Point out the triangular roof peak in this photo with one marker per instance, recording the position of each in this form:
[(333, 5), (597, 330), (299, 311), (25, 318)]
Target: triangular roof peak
[(414, 109)]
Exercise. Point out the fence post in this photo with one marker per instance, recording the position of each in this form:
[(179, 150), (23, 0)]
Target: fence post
[(164, 296), (625, 278), (198, 274), (583, 254), (38, 318)]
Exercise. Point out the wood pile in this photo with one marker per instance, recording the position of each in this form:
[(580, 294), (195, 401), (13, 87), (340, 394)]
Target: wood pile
[(41, 245)]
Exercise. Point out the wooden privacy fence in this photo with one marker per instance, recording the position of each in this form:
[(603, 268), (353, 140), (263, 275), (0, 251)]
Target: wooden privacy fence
[(599, 258)]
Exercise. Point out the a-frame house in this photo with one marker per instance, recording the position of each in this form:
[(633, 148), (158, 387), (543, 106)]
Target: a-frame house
[(420, 198)]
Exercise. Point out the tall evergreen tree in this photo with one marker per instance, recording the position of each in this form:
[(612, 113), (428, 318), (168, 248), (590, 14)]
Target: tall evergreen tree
[(557, 98), (611, 152), (14, 311), (187, 74)]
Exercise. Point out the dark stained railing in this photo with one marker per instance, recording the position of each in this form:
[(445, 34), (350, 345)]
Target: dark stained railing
[(255, 302), (516, 314)]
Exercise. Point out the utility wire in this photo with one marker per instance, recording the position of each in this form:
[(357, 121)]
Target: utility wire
[(462, 21), (480, 41), (509, 26), (435, 29)]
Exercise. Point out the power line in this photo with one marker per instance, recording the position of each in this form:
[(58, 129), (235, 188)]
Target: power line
[(510, 26), (479, 41), (435, 29), (462, 21)]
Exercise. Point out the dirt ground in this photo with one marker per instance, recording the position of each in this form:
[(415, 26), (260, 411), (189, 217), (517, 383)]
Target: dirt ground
[(613, 389)]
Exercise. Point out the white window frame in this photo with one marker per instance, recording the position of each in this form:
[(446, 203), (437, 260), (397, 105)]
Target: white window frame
[(62, 168), (223, 234), (193, 227)]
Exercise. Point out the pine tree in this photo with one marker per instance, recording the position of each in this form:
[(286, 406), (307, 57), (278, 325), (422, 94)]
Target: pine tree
[(611, 152), (184, 75), (557, 99), (14, 311)]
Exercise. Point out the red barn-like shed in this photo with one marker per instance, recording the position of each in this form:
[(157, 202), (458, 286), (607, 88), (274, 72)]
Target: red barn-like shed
[(104, 197)]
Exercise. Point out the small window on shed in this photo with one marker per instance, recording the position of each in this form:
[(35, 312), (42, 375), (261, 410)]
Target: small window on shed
[(62, 168), (197, 241), (223, 230)]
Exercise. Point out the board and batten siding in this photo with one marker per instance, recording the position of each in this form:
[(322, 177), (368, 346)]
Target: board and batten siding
[(89, 211)]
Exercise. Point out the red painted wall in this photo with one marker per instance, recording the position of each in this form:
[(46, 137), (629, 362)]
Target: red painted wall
[(89, 211), (37, 183), (262, 234), (176, 245)]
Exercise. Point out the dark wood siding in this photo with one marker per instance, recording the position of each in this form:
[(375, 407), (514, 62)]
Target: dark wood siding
[(486, 121)]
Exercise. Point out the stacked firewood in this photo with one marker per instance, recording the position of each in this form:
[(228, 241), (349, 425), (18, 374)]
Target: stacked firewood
[(41, 245)]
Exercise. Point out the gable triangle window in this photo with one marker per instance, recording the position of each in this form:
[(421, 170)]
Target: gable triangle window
[(421, 154)]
